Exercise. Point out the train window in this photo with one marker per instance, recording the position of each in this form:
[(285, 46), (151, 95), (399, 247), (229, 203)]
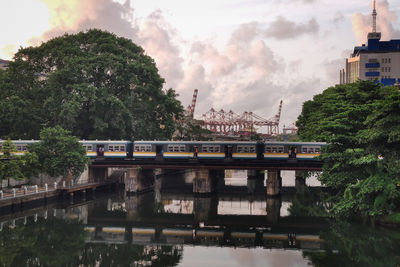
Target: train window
[(89, 148), (317, 150), (136, 148), (205, 148), (252, 149), (176, 148), (19, 148), (182, 148), (280, 149), (311, 150), (304, 150), (122, 148), (217, 149), (110, 148), (268, 149), (274, 149), (170, 148), (142, 148), (211, 149), (148, 148)]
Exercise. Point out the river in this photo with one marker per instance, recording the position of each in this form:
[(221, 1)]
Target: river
[(181, 229)]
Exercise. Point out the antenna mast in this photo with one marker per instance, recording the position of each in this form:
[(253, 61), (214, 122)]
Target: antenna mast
[(374, 18)]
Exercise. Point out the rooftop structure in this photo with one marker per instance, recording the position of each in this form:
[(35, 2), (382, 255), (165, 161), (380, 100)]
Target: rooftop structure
[(376, 60)]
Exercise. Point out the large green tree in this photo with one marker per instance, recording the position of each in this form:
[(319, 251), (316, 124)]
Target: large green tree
[(93, 83), (360, 122), (59, 153)]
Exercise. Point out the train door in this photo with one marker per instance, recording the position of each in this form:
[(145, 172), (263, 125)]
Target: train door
[(100, 151), (260, 150), (159, 151), (195, 151), (228, 151), (292, 152)]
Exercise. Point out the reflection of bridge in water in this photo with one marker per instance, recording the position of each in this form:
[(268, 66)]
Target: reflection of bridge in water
[(207, 223)]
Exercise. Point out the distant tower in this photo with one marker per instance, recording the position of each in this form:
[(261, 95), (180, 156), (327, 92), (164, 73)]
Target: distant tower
[(374, 35), (374, 19)]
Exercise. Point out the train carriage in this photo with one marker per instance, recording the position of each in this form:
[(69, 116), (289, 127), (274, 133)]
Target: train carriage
[(108, 149), (292, 150), (244, 150), (21, 146), (210, 150), (144, 150)]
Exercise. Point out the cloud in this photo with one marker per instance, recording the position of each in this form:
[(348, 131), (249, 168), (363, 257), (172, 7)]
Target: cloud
[(362, 24), (332, 68), (339, 17), (282, 28), (72, 16), (156, 36)]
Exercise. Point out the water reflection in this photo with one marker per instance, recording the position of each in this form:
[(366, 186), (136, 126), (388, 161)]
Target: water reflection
[(160, 229)]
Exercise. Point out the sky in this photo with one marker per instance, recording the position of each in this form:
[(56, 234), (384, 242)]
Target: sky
[(242, 55)]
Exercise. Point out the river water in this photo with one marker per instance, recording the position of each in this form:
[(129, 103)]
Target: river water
[(234, 228)]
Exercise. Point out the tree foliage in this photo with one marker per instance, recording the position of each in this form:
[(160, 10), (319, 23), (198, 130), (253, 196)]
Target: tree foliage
[(59, 153), (13, 165), (360, 121), (93, 83)]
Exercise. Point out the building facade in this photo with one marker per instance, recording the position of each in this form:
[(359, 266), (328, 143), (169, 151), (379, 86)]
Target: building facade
[(376, 60)]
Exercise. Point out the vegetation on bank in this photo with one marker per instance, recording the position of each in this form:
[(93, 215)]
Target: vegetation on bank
[(59, 153), (361, 124), (56, 154), (13, 165)]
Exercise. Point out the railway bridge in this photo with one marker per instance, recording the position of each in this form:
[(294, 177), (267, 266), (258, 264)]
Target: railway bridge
[(207, 176)]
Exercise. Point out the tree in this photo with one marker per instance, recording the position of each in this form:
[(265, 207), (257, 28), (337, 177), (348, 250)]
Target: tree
[(94, 84), (59, 153), (15, 166), (360, 122)]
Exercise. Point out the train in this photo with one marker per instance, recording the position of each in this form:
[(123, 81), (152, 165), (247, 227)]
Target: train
[(199, 150)]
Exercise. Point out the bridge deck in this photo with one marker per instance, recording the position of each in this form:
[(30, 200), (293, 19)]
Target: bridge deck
[(310, 165)]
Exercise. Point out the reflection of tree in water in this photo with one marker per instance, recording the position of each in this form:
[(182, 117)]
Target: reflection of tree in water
[(51, 242), (131, 255), (307, 203), (355, 245)]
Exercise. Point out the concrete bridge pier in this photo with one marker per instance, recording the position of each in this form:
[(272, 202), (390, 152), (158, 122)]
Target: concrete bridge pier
[(171, 179), (274, 183), (219, 176), (255, 181), (97, 174), (138, 180), (205, 208), (273, 208), (300, 180), (204, 182)]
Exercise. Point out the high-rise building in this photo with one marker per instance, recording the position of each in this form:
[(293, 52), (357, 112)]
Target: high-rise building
[(378, 60)]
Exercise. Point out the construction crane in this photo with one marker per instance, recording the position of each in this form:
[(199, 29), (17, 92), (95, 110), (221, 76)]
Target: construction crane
[(190, 109), (228, 123)]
